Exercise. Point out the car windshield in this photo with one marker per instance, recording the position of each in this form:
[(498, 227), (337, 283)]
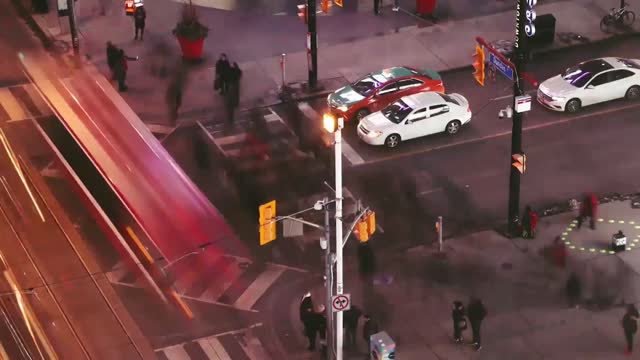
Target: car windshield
[(580, 74), (449, 99), (397, 111), (365, 86)]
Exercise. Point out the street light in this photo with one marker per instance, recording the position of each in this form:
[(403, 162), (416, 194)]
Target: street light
[(331, 125)]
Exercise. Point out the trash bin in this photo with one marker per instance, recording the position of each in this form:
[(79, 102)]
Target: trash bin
[(40, 6), (545, 30), (425, 7)]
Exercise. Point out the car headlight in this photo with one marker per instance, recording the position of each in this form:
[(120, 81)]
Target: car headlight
[(557, 98), (374, 133), (343, 108)]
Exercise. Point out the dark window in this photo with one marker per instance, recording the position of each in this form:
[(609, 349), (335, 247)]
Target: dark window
[(388, 89), (435, 110), (449, 99), (621, 74), (601, 79), (397, 111), (579, 75), (408, 83), (419, 115)]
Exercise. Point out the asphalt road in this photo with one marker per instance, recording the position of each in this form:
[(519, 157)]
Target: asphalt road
[(465, 178)]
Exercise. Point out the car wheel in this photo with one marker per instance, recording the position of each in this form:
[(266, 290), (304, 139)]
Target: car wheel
[(633, 93), (392, 141), (453, 127), (362, 113), (573, 106)]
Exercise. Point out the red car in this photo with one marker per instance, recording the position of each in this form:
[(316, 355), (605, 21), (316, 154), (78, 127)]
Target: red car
[(377, 90)]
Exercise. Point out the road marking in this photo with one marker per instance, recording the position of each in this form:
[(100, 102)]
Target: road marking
[(213, 348), (176, 352), (160, 129), (431, 191), (230, 332), (348, 151), (257, 288), (254, 349), (497, 135)]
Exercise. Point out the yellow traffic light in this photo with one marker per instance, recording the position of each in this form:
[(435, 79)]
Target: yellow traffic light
[(370, 218), (338, 2), (478, 65), (520, 162), (267, 222), (361, 231), (325, 5), (302, 12), (329, 122)]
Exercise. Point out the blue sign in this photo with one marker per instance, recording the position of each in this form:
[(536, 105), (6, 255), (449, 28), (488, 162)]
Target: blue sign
[(505, 69)]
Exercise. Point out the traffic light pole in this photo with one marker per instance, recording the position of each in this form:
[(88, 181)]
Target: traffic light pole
[(521, 55), (312, 39), (329, 279), (339, 240), (72, 27)]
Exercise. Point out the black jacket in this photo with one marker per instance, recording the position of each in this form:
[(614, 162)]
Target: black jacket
[(139, 16), (476, 311)]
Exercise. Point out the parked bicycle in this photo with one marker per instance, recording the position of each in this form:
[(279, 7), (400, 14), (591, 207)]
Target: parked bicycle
[(621, 17)]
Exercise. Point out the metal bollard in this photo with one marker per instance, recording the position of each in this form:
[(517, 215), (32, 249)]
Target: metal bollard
[(283, 65)]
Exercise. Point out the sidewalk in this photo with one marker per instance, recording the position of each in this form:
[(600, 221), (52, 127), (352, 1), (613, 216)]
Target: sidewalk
[(523, 292), (440, 47)]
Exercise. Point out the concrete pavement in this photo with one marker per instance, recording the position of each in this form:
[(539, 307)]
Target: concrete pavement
[(523, 291)]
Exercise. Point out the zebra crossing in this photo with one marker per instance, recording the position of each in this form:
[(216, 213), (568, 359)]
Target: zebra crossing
[(236, 345), (238, 282)]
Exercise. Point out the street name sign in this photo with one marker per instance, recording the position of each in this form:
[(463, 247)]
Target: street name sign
[(505, 69)]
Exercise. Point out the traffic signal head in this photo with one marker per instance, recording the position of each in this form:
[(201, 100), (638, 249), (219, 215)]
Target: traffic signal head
[(325, 5), (478, 65), (361, 231), (370, 218), (303, 13), (520, 162), (267, 220)]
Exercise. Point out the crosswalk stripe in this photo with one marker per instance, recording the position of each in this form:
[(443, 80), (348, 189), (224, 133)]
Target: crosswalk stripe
[(213, 348), (231, 274), (254, 349), (257, 288), (12, 106), (176, 353)]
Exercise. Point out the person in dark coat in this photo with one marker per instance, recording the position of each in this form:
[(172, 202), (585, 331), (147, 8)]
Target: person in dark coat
[(320, 322), (376, 7), (306, 317), (232, 95), (476, 312), (630, 326), (351, 318), (222, 74), (459, 321), (121, 67), (573, 290), (529, 223), (369, 328), (588, 208), (112, 58), (174, 94), (139, 18)]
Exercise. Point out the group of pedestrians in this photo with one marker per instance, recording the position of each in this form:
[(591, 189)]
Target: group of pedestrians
[(117, 60), (475, 313), (227, 82)]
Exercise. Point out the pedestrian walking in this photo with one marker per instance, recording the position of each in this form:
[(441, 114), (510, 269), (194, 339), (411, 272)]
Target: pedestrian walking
[(222, 73), (112, 58), (139, 18), (459, 321), (476, 312), (376, 7), (121, 67), (529, 223), (369, 328), (306, 306), (351, 318), (174, 94), (573, 290), (588, 208), (232, 95), (306, 317), (630, 326)]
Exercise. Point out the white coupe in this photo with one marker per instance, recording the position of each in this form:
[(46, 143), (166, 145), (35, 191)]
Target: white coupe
[(591, 82), (415, 116)]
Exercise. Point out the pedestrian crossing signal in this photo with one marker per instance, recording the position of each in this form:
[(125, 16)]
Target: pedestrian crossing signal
[(520, 162), (478, 65), (267, 220), (325, 5), (303, 13)]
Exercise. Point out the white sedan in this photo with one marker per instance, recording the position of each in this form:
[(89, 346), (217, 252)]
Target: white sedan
[(415, 116), (591, 82)]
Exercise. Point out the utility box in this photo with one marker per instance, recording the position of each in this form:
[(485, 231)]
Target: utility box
[(382, 347), (619, 242)]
